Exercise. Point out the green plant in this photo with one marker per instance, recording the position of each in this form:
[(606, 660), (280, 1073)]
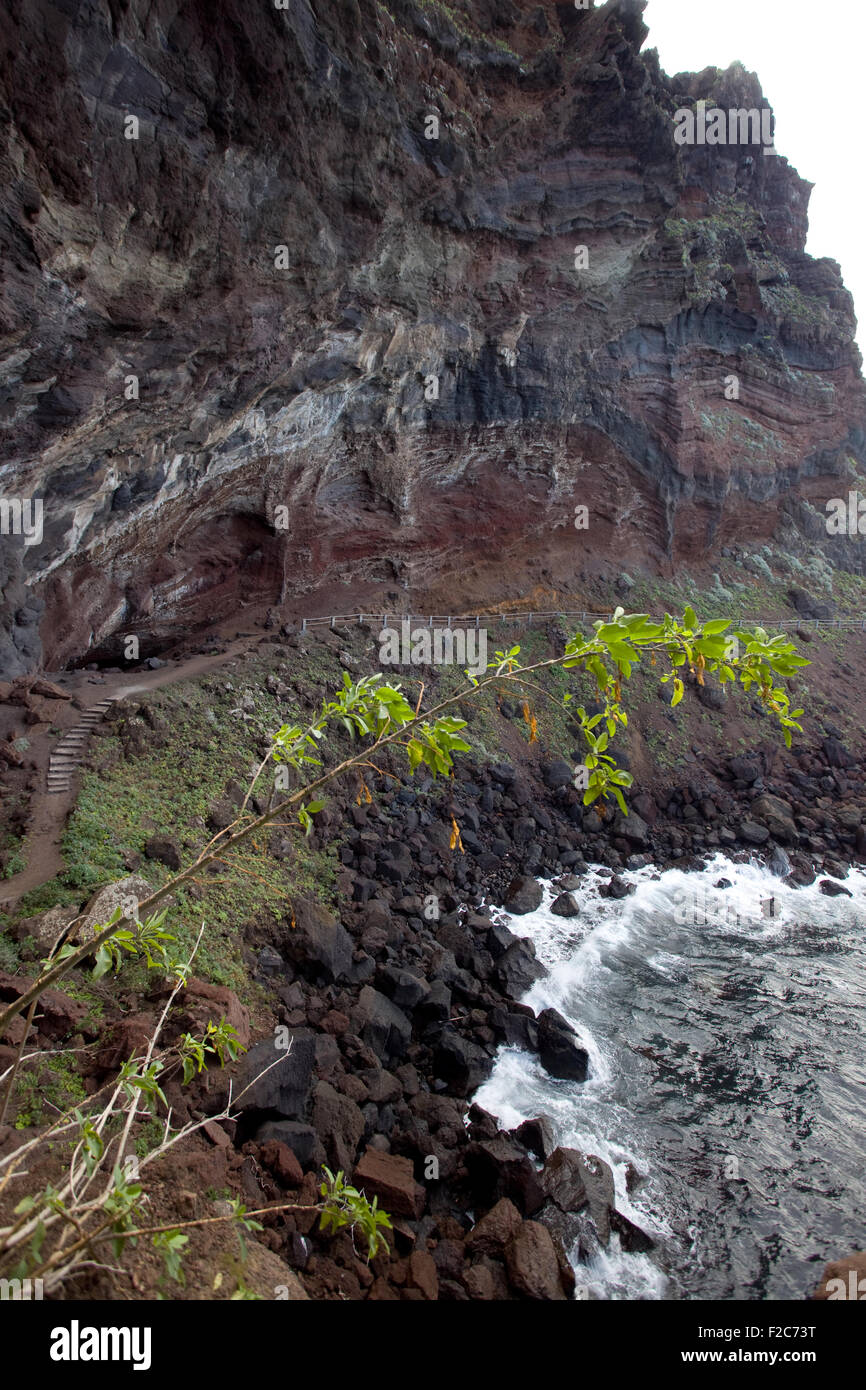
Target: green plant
[(220, 1041), (10, 954), (346, 1206), (46, 1086), (14, 864), (171, 1245)]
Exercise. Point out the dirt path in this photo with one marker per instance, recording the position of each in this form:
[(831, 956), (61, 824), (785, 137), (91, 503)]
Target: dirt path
[(40, 847)]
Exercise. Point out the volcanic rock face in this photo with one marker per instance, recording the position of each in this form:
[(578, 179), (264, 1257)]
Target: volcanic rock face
[(269, 327)]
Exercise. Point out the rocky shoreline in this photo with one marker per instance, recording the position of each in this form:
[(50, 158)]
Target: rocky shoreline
[(395, 1011)]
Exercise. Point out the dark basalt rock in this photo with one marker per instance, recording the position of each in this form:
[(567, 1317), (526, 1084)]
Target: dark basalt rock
[(523, 895), (834, 890), (500, 1168), (385, 1027), (282, 1090), (633, 827), (557, 774), (461, 1062), (518, 968), (560, 1053), (752, 833), (317, 943), (302, 1139)]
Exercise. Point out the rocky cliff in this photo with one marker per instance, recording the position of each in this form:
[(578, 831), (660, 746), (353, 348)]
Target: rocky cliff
[(272, 333)]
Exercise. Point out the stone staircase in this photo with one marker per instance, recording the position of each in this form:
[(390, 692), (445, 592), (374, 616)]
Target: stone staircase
[(71, 749)]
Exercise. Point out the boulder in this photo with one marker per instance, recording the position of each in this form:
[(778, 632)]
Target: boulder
[(533, 1265), (128, 1037), (435, 1007), (752, 833), (618, 888), (125, 893), (48, 690), (837, 754), (391, 1178), (744, 769), (460, 1062), (380, 1086), (404, 989), (807, 605), (536, 1136), (834, 890), (561, 1054), (498, 939), (492, 1233), (57, 1016), (423, 1275), (568, 883), (10, 754), (712, 695), (302, 1139), (633, 1240), (565, 905), (383, 1026), (777, 816), (562, 1179), (281, 1089), (46, 927), (598, 1183), (164, 849), (317, 944), (557, 774), (519, 1029), (523, 895), (339, 1124), (501, 1168), (517, 968), (221, 815), (282, 1161), (633, 827)]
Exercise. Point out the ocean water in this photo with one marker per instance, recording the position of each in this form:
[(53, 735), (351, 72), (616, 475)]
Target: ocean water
[(726, 1029)]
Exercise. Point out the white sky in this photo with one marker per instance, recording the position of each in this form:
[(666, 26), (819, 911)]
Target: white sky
[(808, 55)]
